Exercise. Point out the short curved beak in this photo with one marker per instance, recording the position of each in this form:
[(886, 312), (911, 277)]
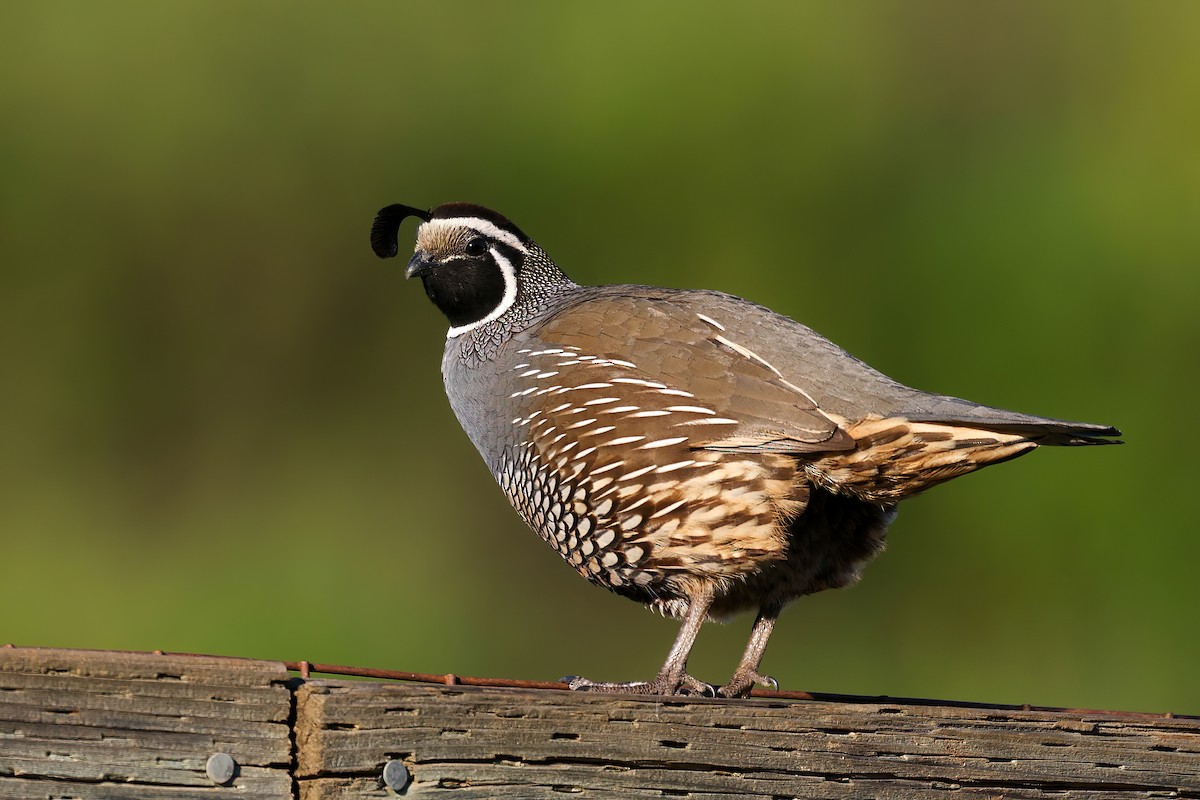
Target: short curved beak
[(417, 266)]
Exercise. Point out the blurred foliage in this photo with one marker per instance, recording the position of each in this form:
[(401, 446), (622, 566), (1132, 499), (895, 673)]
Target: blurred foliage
[(223, 428)]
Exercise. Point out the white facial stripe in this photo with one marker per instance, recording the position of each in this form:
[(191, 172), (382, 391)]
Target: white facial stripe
[(484, 227), (510, 295)]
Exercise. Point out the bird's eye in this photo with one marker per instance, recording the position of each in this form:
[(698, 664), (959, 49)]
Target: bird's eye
[(477, 246)]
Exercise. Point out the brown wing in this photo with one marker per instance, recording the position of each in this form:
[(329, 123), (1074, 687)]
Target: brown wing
[(750, 405), (649, 450)]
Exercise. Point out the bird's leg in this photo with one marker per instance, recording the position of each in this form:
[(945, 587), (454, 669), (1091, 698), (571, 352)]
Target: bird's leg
[(747, 675), (673, 677)]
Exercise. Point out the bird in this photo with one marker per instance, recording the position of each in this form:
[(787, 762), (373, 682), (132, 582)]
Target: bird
[(687, 449)]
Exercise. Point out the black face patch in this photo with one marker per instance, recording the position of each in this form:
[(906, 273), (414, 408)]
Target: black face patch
[(466, 290)]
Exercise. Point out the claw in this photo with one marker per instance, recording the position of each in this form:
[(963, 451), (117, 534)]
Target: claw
[(690, 685), (741, 684)]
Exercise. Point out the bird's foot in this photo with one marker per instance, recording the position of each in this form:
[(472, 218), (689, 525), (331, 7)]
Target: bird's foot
[(743, 681), (664, 685)]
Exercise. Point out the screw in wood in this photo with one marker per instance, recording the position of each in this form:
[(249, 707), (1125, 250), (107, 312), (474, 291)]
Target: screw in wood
[(220, 768), (396, 776)]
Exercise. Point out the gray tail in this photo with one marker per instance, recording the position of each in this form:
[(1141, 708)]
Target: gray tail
[(1068, 434), (1042, 430)]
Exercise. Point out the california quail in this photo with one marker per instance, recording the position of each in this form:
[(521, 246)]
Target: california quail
[(689, 450)]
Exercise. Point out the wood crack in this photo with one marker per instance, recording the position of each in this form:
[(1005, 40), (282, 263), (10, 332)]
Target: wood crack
[(141, 727)]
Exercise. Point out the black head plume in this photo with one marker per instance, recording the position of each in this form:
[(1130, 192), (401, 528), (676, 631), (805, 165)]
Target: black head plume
[(387, 225)]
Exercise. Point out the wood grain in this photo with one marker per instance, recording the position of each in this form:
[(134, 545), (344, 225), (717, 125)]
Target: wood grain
[(538, 744), (87, 724)]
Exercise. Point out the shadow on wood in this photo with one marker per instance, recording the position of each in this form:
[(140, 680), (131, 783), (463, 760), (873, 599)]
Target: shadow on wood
[(134, 725)]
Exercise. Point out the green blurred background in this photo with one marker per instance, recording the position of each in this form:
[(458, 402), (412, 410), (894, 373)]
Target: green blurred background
[(223, 423)]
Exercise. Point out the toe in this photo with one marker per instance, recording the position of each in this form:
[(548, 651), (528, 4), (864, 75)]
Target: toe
[(741, 684), (690, 685), (578, 684), (734, 689), (685, 685)]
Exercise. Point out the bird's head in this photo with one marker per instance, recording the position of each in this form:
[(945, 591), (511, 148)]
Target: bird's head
[(469, 258)]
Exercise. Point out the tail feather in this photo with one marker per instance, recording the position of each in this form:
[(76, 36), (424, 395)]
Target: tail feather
[(1043, 431), (897, 457), (940, 409), (1069, 436)]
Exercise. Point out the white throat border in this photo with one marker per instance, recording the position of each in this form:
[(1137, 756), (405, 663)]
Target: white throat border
[(510, 294), (491, 231)]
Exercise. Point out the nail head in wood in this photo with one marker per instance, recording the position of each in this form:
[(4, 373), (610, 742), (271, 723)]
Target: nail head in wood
[(396, 775), (220, 768)]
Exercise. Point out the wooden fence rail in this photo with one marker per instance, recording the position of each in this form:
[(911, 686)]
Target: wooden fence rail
[(80, 724)]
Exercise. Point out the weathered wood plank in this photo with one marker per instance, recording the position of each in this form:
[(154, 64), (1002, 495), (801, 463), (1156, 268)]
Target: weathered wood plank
[(88, 724), (540, 744), (125, 725)]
